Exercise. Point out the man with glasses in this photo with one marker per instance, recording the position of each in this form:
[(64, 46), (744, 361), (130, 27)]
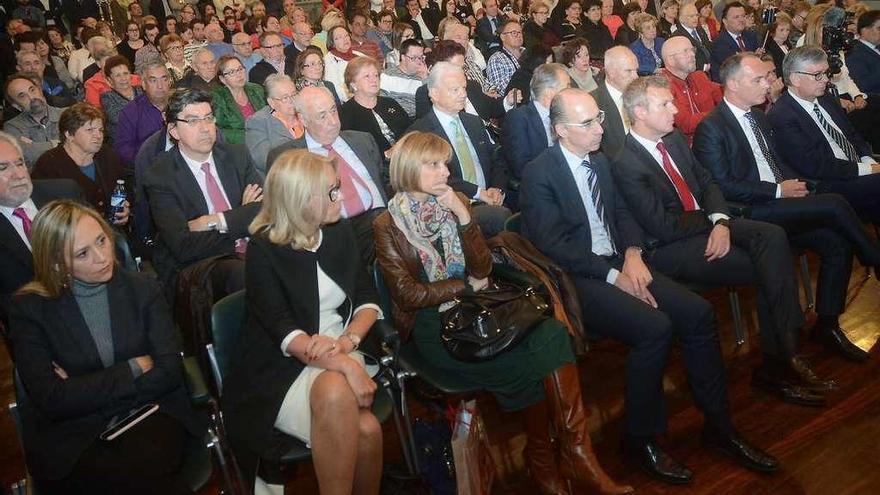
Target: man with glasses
[(383, 31), (203, 196), (816, 138), (143, 115), (693, 239), (732, 38), (695, 95), (241, 43), (402, 81), (272, 48), (504, 62), (302, 39), (357, 23), (573, 212), (203, 75)]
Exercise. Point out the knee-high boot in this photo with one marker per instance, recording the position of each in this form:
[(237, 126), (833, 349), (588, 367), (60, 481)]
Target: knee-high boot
[(577, 461), (540, 456)]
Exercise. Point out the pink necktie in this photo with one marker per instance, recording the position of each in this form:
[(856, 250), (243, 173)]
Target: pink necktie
[(25, 221), (681, 187), (352, 201), (215, 194), (739, 41)]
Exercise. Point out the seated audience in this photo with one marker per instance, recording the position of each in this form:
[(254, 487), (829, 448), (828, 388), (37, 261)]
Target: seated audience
[(302, 39), (55, 92), (423, 20), (149, 52), (99, 84), (532, 58), (215, 36), (621, 68), (474, 61), (123, 88), (133, 41), (401, 33), (202, 195), (568, 23), (648, 47), (366, 111), (707, 18), (475, 169), (864, 58), (357, 23), (430, 249), (357, 157), (694, 94), (79, 299), (142, 116), (611, 20), (732, 38), (197, 42), (244, 50), (574, 213), (576, 57), (311, 303), (381, 34), (535, 27), (816, 139), (506, 60), (626, 33), (171, 48), (339, 53), (82, 58), (236, 100), (36, 126), (55, 66), (596, 32), (203, 75), (309, 72), (689, 26), (668, 18), (83, 157), (274, 61), (157, 144), (401, 81), (735, 143), (274, 124), (777, 40)]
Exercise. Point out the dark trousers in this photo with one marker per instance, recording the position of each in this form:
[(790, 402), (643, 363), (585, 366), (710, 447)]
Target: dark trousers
[(863, 193), (648, 332), (759, 254), (363, 231), (144, 460)]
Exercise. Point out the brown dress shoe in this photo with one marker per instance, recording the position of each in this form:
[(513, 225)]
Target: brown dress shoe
[(801, 371)]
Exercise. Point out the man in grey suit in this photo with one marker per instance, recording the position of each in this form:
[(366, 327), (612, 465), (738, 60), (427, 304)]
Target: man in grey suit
[(357, 157), (621, 67)]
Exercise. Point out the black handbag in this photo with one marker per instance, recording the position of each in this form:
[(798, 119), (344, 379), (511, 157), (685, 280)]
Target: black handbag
[(483, 324)]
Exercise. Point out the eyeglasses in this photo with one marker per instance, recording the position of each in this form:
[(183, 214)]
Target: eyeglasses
[(598, 119), (244, 43), (272, 47), (194, 121), (334, 191), (817, 76), (233, 72), (313, 65), (288, 98), (420, 58), (174, 48), (513, 33)]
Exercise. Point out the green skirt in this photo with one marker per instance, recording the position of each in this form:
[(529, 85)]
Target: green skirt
[(515, 377)]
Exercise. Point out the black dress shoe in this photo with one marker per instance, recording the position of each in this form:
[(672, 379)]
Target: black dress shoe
[(652, 460), (835, 338), (801, 373), (740, 450), (785, 390)]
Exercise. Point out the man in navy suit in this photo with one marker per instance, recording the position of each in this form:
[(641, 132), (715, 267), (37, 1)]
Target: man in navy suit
[(864, 58), (487, 39), (735, 143), (573, 213), (733, 38), (817, 140)]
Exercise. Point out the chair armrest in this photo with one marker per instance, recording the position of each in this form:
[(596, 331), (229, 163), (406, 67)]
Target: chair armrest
[(382, 333), (195, 381)]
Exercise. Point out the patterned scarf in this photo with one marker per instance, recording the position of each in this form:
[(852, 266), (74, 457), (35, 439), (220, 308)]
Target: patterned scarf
[(423, 224)]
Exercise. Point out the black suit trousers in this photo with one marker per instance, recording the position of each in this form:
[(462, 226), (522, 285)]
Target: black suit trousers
[(863, 193), (649, 332), (759, 254)]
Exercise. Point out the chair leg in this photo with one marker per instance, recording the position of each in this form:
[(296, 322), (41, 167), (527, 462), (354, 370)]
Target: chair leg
[(736, 312), (215, 444), (407, 439), (807, 281)]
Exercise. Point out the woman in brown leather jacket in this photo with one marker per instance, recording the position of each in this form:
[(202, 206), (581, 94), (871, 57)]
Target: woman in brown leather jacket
[(429, 251)]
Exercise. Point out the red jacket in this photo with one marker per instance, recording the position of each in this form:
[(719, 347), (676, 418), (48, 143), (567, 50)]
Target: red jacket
[(695, 97)]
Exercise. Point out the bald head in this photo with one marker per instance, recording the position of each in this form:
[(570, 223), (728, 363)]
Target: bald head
[(575, 118), (241, 43), (679, 56), (621, 67)]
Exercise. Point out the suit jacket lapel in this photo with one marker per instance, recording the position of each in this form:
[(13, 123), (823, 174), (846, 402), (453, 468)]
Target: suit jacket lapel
[(192, 193), (679, 159), (228, 176), (362, 155), (606, 186), (537, 125), (477, 135), (12, 241), (613, 119), (437, 128), (566, 183), (647, 159), (70, 315), (742, 142)]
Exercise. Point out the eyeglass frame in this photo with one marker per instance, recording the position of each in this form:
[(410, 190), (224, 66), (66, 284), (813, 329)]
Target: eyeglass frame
[(233, 71), (286, 98), (335, 191), (210, 119), (598, 119), (817, 76)]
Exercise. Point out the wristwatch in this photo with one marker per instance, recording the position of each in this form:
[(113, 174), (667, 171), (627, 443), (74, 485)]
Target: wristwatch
[(212, 225), (723, 221), (355, 340)]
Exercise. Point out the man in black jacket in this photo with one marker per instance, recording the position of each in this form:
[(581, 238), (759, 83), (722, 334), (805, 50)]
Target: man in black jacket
[(735, 143), (274, 61), (693, 238), (572, 211)]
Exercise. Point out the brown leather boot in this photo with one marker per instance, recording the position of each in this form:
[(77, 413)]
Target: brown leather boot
[(577, 461), (539, 453)]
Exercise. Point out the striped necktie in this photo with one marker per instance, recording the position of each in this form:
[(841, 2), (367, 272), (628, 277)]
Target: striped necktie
[(836, 135), (765, 150), (596, 197)]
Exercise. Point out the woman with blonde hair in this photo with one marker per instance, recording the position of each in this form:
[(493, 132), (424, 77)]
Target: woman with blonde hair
[(310, 304), (92, 344), (430, 250)]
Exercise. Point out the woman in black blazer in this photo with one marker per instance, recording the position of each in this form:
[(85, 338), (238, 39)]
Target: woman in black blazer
[(310, 303), (92, 343), (366, 111), (777, 44)]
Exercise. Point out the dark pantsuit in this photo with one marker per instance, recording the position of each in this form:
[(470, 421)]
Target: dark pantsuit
[(649, 332), (759, 255), (863, 193)]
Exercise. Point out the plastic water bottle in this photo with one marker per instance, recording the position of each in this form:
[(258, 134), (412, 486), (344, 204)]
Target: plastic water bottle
[(117, 200)]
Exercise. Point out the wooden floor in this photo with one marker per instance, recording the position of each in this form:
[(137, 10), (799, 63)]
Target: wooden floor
[(829, 451)]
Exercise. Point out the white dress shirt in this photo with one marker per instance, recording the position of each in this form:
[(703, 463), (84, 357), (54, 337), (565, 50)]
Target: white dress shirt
[(867, 161), (448, 122), (617, 98), (30, 208), (601, 241), (764, 170), (368, 195), (196, 168), (544, 113)]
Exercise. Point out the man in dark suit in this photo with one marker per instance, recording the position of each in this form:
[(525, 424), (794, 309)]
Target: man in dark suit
[(817, 140), (424, 21), (732, 38), (693, 239), (274, 62), (735, 143), (302, 39), (203, 196), (863, 60), (20, 199), (573, 213), (154, 146), (621, 67), (475, 169), (486, 36), (689, 26), (358, 162)]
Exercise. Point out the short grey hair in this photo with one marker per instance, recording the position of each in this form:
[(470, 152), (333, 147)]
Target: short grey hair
[(201, 51), (636, 94), (9, 138), (546, 78), (299, 103), (441, 70), (152, 64), (95, 40), (274, 80), (799, 58)]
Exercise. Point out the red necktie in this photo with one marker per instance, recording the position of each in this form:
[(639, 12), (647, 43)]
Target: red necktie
[(739, 41), (351, 200), (25, 221), (681, 187)]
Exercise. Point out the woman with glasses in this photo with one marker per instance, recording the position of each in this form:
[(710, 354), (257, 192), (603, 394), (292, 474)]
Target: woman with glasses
[(402, 32), (576, 58), (275, 124), (309, 71), (124, 87), (647, 47), (366, 111), (339, 53), (310, 303), (236, 99), (535, 27), (429, 250), (171, 46), (132, 43)]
